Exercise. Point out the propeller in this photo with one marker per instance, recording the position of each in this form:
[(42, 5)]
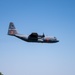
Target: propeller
[(43, 35)]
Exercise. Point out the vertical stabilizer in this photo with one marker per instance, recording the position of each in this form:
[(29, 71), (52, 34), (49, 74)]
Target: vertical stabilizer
[(12, 30)]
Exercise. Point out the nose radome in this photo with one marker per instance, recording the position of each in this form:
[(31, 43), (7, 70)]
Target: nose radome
[(57, 40)]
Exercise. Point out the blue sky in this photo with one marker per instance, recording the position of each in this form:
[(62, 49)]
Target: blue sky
[(54, 18)]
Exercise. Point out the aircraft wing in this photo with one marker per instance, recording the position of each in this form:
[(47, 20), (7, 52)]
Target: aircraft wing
[(33, 35)]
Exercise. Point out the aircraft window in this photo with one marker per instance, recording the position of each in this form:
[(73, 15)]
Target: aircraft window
[(55, 37)]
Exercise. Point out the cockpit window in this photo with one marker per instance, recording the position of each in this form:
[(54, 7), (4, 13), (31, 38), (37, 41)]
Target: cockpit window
[(55, 38)]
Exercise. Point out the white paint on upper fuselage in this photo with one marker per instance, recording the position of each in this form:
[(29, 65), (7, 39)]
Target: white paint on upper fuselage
[(50, 37)]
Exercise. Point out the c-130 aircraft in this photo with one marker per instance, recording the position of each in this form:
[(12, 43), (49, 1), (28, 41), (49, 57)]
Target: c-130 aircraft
[(33, 37)]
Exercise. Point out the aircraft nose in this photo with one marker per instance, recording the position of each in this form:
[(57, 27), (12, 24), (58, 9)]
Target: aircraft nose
[(57, 40)]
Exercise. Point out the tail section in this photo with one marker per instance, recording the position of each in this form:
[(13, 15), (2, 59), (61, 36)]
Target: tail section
[(12, 30)]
